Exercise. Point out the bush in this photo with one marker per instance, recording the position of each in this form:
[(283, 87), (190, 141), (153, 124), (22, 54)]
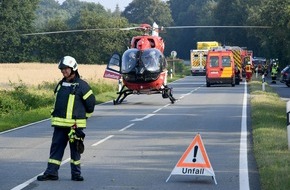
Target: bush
[(31, 100), (21, 99), (9, 104), (179, 68), (102, 87)]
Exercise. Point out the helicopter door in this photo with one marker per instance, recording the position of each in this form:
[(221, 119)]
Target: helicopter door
[(114, 67)]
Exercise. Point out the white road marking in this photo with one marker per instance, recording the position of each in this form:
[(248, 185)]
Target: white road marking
[(103, 140), (24, 126), (25, 184), (143, 118), (127, 127), (243, 164), (161, 108)]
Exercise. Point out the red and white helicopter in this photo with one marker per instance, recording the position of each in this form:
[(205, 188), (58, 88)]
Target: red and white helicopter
[(142, 69)]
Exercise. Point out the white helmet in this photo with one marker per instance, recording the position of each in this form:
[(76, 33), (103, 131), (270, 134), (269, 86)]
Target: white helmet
[(68, 61)]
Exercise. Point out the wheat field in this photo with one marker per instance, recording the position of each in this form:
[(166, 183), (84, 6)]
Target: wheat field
[(38, 73)]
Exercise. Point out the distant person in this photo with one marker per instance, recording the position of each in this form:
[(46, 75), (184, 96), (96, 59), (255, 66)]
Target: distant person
[(74, 103), (274, 72), (249, 71)]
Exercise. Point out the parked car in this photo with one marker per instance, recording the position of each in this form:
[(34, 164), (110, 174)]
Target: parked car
[(285, 76)]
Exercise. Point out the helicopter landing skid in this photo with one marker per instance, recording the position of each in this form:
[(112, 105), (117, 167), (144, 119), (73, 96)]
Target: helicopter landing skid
[(167, 93), (122, 95)]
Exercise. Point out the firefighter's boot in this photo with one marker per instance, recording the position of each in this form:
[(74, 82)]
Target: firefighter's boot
[(77, 178), (46, 177)]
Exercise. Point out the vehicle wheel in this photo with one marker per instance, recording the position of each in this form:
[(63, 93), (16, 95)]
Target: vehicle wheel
[(207, 84), (233, 82)]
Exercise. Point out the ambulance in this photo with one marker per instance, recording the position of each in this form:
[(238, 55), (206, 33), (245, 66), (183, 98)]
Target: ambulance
[(198, 56), (221, 68)]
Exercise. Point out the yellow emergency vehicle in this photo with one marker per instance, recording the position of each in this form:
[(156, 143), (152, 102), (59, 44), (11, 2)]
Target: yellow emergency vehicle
[(198, 56)]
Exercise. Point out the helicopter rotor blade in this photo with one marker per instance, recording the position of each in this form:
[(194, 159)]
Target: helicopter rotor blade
[(138, 27), (185, 27), (83, 30)]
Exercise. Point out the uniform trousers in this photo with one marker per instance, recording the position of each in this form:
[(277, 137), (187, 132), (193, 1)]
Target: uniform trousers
[(59, 142)]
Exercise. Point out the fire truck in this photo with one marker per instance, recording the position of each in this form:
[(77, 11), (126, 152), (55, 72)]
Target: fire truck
[(247, 60), (242, 57), (198, 56)]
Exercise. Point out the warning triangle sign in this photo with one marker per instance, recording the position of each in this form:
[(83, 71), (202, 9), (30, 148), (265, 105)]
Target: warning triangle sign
[(194, 161)]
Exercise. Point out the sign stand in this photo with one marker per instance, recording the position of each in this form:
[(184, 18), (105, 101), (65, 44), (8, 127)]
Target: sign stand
[(194, 161)]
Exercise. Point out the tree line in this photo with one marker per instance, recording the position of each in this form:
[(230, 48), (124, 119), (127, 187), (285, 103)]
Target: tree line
[(95, 47)]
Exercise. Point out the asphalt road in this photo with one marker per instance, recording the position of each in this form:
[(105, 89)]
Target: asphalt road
[(280, 88), (137, 144)]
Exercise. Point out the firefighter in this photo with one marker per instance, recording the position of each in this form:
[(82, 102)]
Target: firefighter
[(74, 103), (249, 72), (274, 72)]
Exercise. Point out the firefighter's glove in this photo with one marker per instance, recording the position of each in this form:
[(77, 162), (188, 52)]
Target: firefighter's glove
[(79, 133), (80, 146), (71, 135), (79, 140)]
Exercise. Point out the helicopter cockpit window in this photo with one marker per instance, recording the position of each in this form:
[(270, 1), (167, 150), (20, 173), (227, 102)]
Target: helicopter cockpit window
[(114, 63), (129, 60), (152, 59)]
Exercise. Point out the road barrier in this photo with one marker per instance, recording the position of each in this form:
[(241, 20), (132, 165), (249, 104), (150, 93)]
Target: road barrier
[(288, 122), (263, 82)]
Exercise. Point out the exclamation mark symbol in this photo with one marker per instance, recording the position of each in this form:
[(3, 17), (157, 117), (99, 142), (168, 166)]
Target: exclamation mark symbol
[(194, 153)]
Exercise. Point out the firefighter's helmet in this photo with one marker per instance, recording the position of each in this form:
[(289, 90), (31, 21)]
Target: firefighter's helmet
[(68, 61)]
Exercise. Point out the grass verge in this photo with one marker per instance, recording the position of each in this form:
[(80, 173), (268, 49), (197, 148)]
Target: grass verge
[(270, 137), (27, 104)]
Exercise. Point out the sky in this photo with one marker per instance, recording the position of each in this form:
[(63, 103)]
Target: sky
[(108, 4)]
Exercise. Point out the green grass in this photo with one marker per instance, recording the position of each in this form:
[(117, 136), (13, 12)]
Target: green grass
[(26, 104), (270, 137), (22, 118)]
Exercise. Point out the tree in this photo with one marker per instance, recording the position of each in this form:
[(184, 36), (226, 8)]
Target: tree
[(117, 12), (190, 13), (274, 42), (91, 47), (97, 46), (231, 13), (150, 11), (15, 19), (46, 10)]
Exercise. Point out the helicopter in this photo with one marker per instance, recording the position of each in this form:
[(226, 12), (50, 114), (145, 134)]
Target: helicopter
[(142, 69)]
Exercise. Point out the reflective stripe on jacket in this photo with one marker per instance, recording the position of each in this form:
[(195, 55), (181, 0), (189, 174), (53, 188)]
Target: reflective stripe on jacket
[(274, 70)]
